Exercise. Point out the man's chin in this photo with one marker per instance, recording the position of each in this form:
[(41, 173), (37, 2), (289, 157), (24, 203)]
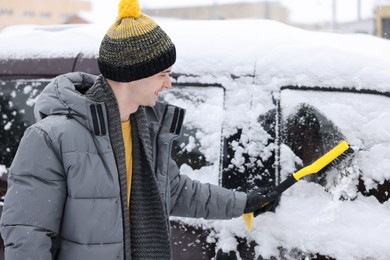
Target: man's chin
[(151, 103)]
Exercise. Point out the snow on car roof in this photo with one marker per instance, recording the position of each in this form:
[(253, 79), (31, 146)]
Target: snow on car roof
[(281, 53), (34, 41), (278, 52)]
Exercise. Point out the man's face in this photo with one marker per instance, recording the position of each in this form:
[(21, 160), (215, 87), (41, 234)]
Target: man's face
[(144, 92)]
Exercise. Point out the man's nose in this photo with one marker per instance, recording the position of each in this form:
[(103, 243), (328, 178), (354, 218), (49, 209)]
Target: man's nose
[(167, 83)]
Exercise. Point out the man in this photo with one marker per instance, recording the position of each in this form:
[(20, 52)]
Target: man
[(93, 178)]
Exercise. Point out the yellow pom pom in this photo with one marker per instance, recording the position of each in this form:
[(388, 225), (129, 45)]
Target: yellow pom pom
[(129, 8)]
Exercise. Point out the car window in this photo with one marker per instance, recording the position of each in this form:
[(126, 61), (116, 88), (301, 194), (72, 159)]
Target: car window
[(249, 159), (198, 150), (314, 121), (17, 98)]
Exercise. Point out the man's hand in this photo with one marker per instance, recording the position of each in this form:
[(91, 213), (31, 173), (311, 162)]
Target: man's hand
[(261, 200)]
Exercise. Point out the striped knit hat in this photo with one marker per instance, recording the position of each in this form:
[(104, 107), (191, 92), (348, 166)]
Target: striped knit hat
[(134, 47)]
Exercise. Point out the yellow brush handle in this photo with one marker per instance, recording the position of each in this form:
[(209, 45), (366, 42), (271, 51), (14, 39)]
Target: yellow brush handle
[(323, 161), (248, 217), (312, 168)]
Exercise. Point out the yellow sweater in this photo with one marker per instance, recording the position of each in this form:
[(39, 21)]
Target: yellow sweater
[(126, 132)]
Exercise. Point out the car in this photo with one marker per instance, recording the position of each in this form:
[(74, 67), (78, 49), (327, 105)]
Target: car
[(263, 99)]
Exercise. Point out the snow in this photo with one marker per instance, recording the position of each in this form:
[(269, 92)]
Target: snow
[(61, 41), (309, 218), (252, 60), (312, 220), (209, 102), (315, 221), (3, 170), (8, 126), (358, 118)]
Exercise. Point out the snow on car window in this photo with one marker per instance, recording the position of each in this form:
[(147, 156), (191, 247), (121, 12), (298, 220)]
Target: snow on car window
[(198, 149), (17, 98), (3, 170), (363, 119)]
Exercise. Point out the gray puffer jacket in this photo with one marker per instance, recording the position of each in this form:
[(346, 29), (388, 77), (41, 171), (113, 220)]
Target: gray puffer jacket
[(64, 194)]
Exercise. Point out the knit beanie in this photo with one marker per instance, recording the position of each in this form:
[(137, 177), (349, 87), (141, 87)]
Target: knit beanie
[(134, 47)]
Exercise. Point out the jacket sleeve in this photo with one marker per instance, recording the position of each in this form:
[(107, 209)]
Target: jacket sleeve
[(35, 198), (190, 198)]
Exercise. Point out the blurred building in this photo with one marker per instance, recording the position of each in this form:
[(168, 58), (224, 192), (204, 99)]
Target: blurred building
[(13, 12), (383, 21), (366, 26), (260, 10)]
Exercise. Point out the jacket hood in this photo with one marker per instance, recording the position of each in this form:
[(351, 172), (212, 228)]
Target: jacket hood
[(64, 95)]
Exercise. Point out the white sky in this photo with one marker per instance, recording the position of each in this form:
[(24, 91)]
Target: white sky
[(301, 11)]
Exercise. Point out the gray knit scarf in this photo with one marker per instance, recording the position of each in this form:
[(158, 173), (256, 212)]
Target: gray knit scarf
[(146, 234)]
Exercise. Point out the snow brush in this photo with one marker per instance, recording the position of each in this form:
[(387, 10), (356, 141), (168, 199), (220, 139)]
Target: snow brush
[(315, 167)]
